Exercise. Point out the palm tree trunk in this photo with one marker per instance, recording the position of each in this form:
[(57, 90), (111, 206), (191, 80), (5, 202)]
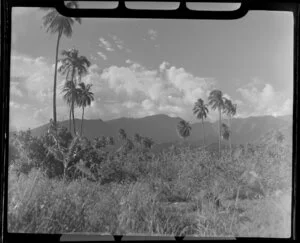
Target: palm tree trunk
[(55, 78), (70, 119), (220, 132), (73, 101), (73, 118), (230, 134), (203, 132), (82, 120)]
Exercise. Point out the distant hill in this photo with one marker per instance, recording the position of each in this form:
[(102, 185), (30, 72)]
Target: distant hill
[(162, 128)]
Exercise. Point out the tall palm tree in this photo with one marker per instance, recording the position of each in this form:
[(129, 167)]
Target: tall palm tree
[(77, 66), (85, 99), (215, 100), (200, 110), (230, 110), (70, 96), (56, 23), (184, 129)]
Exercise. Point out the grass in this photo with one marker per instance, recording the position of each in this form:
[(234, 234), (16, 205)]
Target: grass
[(180, 192)]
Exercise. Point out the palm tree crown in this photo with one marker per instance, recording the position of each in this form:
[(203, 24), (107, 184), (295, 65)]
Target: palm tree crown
[(215, 100), (57, 23), (72, 62), (200, 109), (85, 96), (184, 128), (229, 108), (71, 93)]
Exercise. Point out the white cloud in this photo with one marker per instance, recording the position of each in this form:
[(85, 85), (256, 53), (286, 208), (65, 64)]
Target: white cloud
[(163, 66), (103, 56), (262, 99), (131, 90), (36, 76), (152, 34), (128, 61), (139, 91), (105, 44), (227, 96), (15, 90)]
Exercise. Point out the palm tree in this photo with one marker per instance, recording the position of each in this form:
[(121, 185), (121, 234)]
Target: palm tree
[(77, 66), (85, 98), (215, 100), (225, 131), (230, 110), (147, 142), (137, 138), (72, 62), (122, 134), (200, 110), (56, 23), (70, 96), (184, 129)]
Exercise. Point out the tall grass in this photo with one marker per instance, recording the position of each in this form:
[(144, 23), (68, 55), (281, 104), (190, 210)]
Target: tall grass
[(179, 192)]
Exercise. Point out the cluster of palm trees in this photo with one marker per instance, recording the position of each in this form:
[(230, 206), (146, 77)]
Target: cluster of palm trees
[(216, 101), (138, 140), (76, 93)]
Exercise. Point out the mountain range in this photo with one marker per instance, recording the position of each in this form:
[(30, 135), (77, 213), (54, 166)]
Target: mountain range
[(162, 128)]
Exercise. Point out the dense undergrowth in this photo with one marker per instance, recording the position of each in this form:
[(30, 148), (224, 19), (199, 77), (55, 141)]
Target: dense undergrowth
[(75, 186)]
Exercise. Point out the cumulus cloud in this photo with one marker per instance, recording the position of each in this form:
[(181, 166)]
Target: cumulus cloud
[(262, 99), (131, 90), (163, 66), (139, 91), (33, 75), (31, 89)]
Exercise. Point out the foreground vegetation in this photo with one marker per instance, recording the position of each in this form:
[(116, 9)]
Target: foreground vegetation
[(181, 191)]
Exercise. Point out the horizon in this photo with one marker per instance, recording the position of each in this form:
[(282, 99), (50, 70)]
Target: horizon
[(135, 118), (138, 70)]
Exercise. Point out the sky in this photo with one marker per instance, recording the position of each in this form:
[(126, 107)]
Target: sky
[(143, 67)]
